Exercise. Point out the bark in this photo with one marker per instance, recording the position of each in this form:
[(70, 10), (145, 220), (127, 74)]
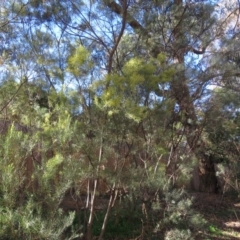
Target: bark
[(93, 196), (92, 206), (107, 214), (179, 87), (180, 91)]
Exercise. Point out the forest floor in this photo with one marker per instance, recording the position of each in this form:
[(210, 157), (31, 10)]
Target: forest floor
[(222, 214)]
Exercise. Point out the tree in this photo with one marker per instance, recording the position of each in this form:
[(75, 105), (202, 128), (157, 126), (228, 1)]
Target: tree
[(223, 135), (171, 24), (119, 90)]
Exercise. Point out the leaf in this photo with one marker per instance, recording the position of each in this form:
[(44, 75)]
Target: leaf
[(52, 164), (79, 58)]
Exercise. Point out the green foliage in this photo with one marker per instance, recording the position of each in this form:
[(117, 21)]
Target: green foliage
[(178, 235), (214, 230), (179, 216), (223, 136), (27, 221), (79, 61), (225, 126), (127, 92), (52, 165), (29, 200)]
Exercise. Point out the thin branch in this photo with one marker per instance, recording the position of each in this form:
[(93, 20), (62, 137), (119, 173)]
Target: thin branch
[(107, 214), (13, 96), (124, 17), (115, 7)]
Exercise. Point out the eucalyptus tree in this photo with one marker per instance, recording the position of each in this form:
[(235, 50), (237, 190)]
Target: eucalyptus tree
[(186, 32), (140, 70)]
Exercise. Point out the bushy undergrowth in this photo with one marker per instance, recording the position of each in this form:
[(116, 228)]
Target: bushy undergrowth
[(30, 210), (29, 202), (176, 218)]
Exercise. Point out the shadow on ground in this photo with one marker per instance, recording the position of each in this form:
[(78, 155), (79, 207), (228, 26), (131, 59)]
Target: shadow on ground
[(222, 213)]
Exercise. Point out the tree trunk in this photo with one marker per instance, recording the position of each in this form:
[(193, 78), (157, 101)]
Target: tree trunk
[(107, 213), (91, 214), (180, 90), (207, 175)]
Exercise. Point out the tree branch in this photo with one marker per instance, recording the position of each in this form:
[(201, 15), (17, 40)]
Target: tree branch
[(116, 8), (124, 16), (13, 96), (198, 51)]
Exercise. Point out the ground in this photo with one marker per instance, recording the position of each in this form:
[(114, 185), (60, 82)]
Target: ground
[(222, 213)]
